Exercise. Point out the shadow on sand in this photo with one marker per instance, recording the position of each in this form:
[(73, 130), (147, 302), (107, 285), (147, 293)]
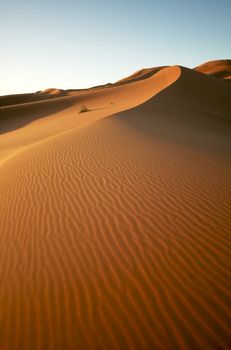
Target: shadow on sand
[(14, 117)]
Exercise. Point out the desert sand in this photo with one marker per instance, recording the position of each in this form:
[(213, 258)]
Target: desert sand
[(218, 69), (115, 222)]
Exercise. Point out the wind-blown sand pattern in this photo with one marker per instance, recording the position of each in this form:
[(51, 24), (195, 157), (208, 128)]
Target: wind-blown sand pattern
[(115, 223)]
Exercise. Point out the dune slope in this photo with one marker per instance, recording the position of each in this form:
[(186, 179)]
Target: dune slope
[(25, 124), (218, 69), (115, 232)]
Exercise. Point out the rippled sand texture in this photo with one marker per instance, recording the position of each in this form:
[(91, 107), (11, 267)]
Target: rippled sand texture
[(115, 223)]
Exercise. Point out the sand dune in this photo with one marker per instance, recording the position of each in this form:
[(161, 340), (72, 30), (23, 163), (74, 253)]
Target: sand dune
[(52, 91), (48, 118), (140, 74), (115, 223), (218, 69), (9, 100)]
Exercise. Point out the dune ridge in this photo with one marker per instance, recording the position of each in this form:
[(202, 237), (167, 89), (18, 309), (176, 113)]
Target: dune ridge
[(115, 225), (217, 68), (100, 103)]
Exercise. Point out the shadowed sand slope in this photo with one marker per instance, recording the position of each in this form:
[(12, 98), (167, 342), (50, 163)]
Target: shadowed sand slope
[(17, 116), (8, 100), (195, 107), (115, 232)]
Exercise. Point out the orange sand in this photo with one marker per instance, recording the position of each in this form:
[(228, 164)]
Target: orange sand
[(115, 223), (217, 69)]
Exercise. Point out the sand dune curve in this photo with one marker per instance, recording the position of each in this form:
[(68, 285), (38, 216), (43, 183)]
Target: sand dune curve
[(43, 119), (218, 69), (115, 228)]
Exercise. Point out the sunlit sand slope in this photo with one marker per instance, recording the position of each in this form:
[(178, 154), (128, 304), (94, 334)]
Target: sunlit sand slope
[(25, 124), (115, 232)]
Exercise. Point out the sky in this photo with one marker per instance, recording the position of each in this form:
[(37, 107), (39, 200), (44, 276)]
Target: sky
[(77, 44)]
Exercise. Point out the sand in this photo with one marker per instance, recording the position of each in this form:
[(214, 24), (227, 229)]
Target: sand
[(115, 223), (217, 69)]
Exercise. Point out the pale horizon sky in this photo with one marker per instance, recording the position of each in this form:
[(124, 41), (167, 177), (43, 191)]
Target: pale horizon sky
[(77, 44)]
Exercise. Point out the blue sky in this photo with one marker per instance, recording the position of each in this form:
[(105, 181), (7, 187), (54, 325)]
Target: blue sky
[(76, 44)]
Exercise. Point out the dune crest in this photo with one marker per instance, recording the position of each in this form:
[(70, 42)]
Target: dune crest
[(218, 69), (140, 74), (53, 112)]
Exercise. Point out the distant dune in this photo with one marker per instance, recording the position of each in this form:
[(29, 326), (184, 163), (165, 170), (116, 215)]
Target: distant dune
[(218, 69), (57, 92), (140, 74), (115, 222)]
